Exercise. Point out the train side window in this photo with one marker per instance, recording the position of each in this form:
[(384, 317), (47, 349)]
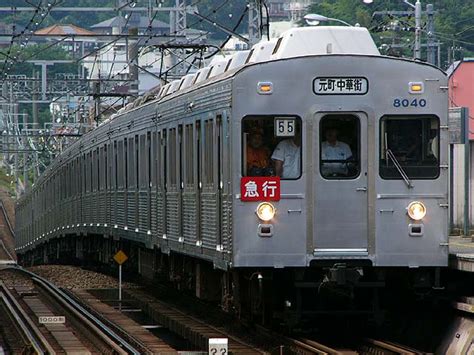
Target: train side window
[(412, 143), (172, 157), (198, 154), (90, 173), (339, 147), (131, 169), (98, 168), (208, 156), (115, 167), (189, 153), (180, 155), (271, 146), (164, 159), (149, 177), (121, 164), (219, 151), (104, 168), (156, 151)]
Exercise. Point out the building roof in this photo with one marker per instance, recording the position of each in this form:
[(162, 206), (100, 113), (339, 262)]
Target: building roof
[(452, 68), (135, 21), (64, 30)]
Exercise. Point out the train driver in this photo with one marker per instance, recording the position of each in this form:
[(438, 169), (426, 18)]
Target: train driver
[(287, 156), (333, 150)]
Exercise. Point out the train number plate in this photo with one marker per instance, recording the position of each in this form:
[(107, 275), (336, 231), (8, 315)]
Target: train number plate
[(341, 85), (260, 188)]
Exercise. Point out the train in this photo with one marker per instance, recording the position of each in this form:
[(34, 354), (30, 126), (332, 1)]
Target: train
[(306, 160)]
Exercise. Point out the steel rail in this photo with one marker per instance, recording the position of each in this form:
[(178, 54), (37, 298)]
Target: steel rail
[(119, 329), (110, 337), (117, 343), (28, 328), (392, 347), (312, 346)]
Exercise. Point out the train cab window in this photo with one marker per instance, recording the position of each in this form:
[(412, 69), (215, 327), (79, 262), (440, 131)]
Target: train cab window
[(271, 146), (339, 147), (409, 145)]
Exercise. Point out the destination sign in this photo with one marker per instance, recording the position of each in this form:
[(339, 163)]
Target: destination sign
[(340, 86), (260, 188)]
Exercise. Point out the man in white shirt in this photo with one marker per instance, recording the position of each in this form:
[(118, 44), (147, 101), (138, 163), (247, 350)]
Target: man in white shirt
[(331, 150), (287, 157)]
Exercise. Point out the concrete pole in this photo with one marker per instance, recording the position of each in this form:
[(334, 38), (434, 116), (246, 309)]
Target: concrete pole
[(35, 97), (96, 91), (254, 22), (6, 125), (417, 53), (15, 146), (25, 152), (431, 55), (133, 63)]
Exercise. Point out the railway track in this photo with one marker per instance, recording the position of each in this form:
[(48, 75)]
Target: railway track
[(6, 259), (19, 332), (372, 346), (35, 312), (196, 331), (123, 340), (367, 347)]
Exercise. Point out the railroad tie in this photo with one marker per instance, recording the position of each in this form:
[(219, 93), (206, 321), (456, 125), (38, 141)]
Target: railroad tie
[(66, 339), (132, 328)]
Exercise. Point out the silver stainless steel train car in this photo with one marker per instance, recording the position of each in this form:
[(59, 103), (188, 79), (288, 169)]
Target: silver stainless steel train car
[(321, 152)]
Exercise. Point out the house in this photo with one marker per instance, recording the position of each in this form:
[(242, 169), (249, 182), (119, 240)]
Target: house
[(80, 41), (461, 87), (136, 20)]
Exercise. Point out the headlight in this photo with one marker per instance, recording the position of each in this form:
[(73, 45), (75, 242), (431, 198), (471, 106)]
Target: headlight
[(265, 211), (416, 210)]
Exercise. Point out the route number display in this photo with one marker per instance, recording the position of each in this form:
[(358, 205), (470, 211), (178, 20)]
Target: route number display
[(285, 127)]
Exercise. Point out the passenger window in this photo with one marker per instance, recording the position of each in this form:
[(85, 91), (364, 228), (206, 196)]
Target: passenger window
[(122, 164), (172, 157), (339, 137), (409, 145), (208, 157), (142, 167), (189, 153), (271, 146)]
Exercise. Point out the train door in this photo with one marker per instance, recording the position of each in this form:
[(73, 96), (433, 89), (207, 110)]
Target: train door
[(340, 225)]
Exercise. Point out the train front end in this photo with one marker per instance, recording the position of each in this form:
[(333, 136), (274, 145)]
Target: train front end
[(343, 157)]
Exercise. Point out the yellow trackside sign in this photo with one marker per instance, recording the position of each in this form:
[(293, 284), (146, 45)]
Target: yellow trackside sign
[(120, 257)]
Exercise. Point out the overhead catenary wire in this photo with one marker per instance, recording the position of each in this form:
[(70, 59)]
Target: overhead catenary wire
[(111, 76)]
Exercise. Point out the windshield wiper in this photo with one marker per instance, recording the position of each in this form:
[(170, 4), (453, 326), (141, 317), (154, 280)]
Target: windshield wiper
[(402, 172)]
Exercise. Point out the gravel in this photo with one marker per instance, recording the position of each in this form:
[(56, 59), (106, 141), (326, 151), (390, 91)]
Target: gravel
[(74, 277), (14, 279), (9, 204)]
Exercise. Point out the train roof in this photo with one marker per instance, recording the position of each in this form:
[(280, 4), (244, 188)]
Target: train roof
[(295, 42), (324, 40)]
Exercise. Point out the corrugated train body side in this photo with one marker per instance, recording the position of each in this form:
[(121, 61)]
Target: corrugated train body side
[(359, 144)]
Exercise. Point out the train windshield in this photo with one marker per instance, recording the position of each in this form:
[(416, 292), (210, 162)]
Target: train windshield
[(339, 147), (412, 143), (271, 146)]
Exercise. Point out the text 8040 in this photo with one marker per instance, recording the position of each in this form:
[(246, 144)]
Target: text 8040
[(409, 102)]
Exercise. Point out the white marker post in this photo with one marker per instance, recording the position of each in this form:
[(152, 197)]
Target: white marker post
[(218, 346), (120, 287), (120, 258)]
